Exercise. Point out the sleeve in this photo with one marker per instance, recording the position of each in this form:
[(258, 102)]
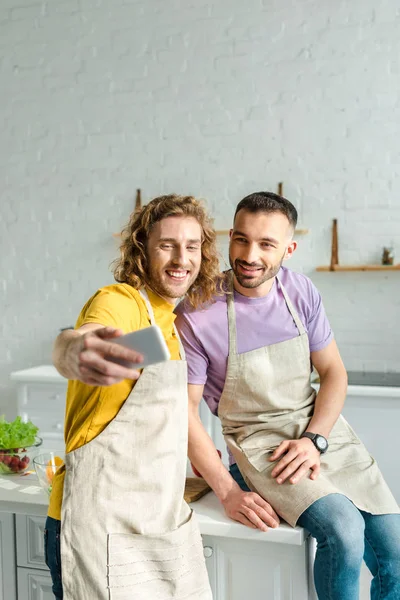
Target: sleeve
[(111, 308), (196, 356), (319, 330)]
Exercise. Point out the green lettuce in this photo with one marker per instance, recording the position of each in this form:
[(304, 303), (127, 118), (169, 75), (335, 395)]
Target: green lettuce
[(17, 434)]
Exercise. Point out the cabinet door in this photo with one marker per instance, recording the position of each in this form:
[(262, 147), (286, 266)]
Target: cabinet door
[(258, 570), (30, 541), (34, 585), (209, 555), (8, 590)]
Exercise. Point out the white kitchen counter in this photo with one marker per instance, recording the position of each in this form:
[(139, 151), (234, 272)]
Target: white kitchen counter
[(22, 494), (41, 374)]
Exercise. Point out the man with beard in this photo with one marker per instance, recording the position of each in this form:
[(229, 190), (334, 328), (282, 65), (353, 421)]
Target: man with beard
[(117, 523), (250, 356)]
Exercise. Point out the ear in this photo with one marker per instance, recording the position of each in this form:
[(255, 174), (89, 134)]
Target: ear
[(290, 250), (230, 233)]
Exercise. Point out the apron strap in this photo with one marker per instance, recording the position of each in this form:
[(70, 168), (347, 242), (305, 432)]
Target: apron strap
[(292, 309), (149, 307), (232, 335), (181, 348), (152, 318), (232, 332)]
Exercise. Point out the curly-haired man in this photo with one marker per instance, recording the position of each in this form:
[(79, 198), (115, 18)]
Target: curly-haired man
[(117, 521)]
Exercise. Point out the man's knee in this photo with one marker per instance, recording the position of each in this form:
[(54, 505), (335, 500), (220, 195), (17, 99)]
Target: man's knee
[(339, 525)]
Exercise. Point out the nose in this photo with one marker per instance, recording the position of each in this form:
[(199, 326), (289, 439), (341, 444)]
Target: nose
[(250, 254), (180, 255)]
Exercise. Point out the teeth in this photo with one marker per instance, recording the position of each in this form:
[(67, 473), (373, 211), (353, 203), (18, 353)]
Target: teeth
[(179, 274)]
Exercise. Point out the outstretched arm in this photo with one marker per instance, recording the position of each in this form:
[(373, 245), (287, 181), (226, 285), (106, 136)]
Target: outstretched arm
[(83, 354)]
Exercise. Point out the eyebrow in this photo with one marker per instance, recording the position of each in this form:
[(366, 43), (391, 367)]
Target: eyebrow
[(174, 240), (266, 239)]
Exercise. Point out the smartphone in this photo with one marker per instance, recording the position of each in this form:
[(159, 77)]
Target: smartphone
[(149, 342)]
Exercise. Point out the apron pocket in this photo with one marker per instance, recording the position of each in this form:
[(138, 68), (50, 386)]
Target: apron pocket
[(258, 457), (345, 449), (161, 566), (342, 433)]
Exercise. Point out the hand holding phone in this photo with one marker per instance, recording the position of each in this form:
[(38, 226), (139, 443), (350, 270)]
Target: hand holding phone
[(149, 342)]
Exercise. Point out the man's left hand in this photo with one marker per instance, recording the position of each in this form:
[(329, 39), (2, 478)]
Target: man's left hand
[(300, 456)]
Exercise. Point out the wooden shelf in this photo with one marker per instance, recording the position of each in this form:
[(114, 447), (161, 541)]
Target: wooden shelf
[(360, 268)]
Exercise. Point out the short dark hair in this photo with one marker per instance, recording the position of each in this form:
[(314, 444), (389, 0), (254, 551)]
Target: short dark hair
[(268, 202)]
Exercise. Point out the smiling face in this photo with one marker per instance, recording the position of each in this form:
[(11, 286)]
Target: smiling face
[(259, 243), (174, 256)]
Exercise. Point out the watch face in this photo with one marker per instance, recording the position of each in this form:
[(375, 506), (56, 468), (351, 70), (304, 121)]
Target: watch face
[(321, 442)]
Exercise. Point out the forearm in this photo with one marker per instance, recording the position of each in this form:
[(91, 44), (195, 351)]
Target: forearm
[(329, 401), (202, 453)]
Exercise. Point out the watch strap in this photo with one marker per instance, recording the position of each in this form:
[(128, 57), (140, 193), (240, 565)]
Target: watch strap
[(314, 437), (309, 435)]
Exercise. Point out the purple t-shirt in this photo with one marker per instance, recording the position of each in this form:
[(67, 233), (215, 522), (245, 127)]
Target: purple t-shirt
[(259, 322)]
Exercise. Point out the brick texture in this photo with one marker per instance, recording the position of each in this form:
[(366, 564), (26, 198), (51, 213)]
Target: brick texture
[(218, 99)]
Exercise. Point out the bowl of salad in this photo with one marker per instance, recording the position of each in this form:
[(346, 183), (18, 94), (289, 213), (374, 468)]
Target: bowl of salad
[(46, 466), (19, 444)]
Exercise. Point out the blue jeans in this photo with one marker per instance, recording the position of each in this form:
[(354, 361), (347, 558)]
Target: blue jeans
[(345, 536), (53, 555)]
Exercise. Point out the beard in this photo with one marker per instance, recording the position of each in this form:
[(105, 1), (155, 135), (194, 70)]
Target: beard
[(261, 276)]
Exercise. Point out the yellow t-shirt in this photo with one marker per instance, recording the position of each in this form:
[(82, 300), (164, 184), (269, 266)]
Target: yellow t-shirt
[(90, 409)]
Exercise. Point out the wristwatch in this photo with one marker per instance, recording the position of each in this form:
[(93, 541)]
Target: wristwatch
[(319, 441)]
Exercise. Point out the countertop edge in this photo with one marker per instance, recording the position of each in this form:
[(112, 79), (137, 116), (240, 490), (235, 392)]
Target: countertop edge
[(369, 391), (209, 513)]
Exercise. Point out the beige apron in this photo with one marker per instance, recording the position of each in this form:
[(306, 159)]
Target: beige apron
[(126, 532), (267, 398)]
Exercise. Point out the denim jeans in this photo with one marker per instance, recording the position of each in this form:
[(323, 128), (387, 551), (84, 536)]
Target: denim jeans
[(345, 536), (53, 555)]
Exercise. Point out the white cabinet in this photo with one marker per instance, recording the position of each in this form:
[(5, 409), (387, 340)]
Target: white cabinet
[(34, 585), (8, 590), (30, 541), (44, 405), (245, 563), (41, 393), (18, 581), (33, 577), (240, 569)]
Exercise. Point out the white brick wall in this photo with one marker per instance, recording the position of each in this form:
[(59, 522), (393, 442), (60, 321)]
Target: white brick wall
[(216, 98)]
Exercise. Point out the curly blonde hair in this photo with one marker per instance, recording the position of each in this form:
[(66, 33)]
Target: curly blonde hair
[(132, 266)]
